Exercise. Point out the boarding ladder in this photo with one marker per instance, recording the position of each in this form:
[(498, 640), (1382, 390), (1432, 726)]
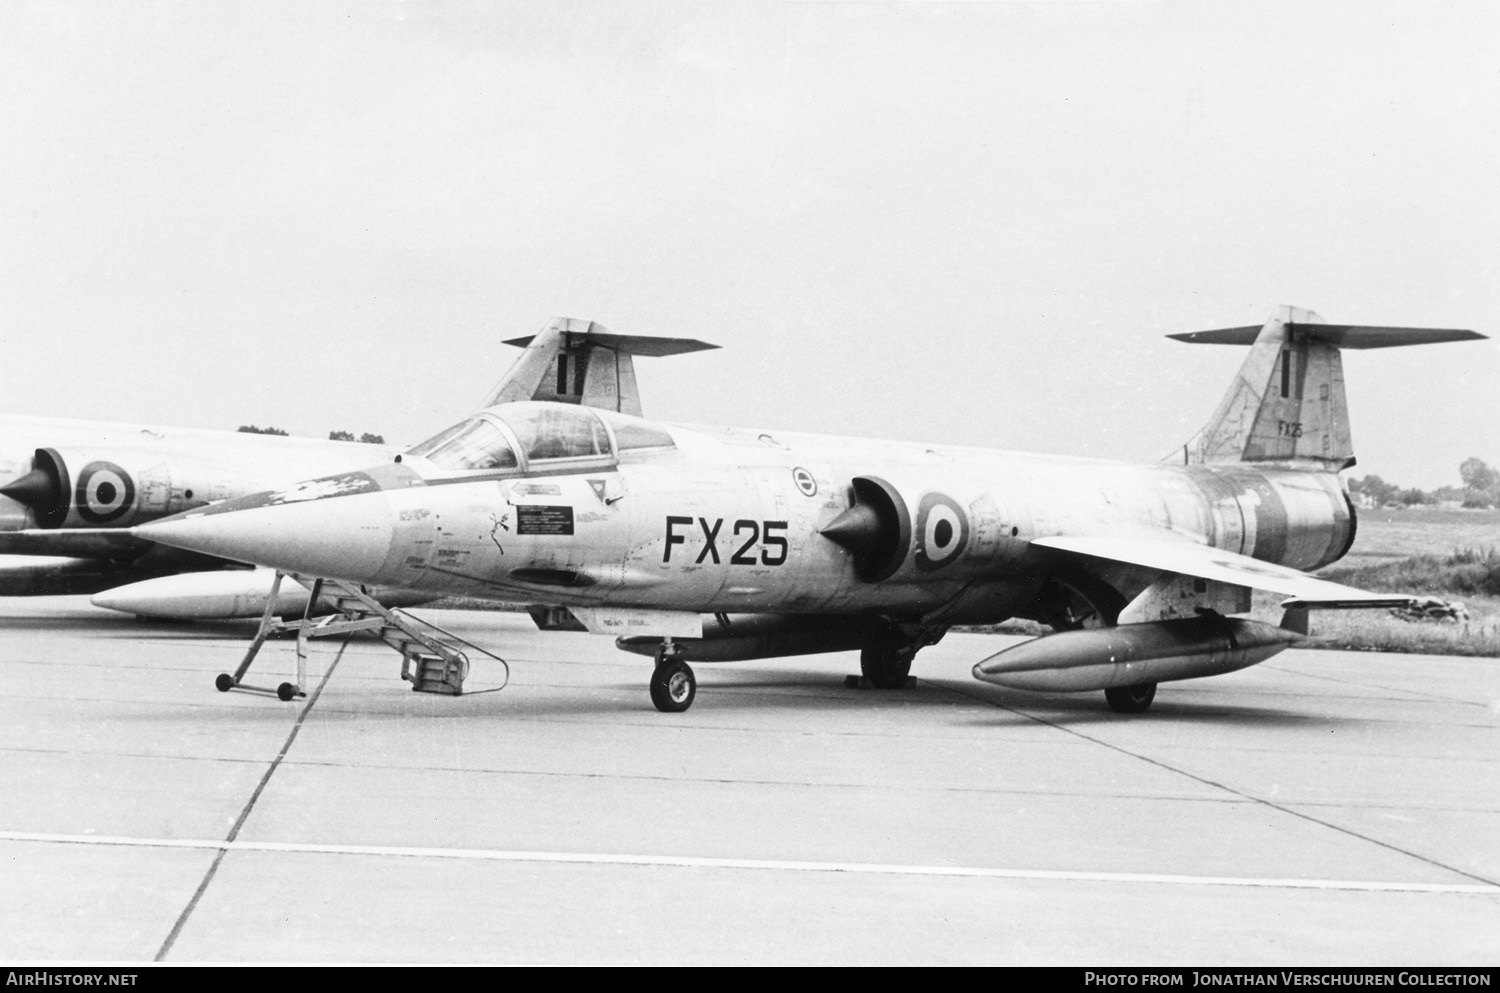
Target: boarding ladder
[(432, 660)]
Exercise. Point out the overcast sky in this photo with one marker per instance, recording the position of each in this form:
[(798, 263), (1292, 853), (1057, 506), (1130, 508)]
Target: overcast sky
[(966, 222)]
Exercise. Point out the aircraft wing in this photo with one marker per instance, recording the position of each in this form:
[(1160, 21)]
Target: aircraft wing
[(88, 543), (1206, 562)]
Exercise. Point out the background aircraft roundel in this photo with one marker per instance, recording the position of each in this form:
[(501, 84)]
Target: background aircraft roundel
[(105, 493)]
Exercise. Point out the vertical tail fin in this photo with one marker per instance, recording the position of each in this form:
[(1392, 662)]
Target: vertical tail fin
[(1286, 404), (573, 361)]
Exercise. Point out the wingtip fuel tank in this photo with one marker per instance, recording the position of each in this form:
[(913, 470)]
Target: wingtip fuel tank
[(1130, 654), (205, 596), (232, 593)]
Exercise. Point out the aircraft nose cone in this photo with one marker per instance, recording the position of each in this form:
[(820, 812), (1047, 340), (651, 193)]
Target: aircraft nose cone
[(338, 537)]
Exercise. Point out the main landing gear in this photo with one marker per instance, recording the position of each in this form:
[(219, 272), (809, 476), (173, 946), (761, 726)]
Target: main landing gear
[(1130, 699), (885, 660), (886, 663), (673, 685)]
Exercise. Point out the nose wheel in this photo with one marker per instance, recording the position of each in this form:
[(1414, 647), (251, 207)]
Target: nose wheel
[(673, 685)]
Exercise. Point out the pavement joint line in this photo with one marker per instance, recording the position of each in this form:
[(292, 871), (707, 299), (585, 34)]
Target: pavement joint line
[(1252, 798), (223, 846), (773, 865), (1426, 695)]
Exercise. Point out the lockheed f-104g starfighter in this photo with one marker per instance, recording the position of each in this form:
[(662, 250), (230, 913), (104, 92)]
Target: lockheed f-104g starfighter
[(711, 545)]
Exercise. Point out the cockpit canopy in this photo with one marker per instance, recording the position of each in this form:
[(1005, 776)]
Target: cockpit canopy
[(521, 435)]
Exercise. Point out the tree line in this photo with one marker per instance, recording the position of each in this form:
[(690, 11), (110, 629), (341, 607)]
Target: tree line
[(367, 437), (1480, 489)]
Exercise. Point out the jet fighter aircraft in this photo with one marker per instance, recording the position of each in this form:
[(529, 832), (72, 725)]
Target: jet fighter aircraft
[(712, 545), (76, 487)]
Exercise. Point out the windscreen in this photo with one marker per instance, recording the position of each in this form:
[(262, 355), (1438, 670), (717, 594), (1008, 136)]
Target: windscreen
[(475, 444)]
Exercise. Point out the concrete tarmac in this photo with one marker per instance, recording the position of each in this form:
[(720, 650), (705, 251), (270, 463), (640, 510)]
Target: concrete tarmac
[(1323, 808)]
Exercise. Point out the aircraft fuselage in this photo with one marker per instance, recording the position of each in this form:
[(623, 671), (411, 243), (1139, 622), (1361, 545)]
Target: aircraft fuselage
[(729, 521)]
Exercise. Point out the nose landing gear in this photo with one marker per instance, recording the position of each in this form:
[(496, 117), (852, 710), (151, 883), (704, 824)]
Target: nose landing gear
[(673, 684)]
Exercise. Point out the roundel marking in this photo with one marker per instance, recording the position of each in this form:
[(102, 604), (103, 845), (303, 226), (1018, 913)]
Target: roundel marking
[(105, 493), (942, 532), (805, 481)]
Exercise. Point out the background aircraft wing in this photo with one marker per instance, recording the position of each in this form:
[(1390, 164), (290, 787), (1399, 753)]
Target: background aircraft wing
[(89, 543), (1206, 562)]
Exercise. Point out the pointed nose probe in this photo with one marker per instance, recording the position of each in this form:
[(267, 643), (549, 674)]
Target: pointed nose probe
[(342, 537)]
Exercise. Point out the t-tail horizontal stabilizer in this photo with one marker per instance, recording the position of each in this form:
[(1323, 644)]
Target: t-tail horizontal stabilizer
[(1287, 404), (574, 361)]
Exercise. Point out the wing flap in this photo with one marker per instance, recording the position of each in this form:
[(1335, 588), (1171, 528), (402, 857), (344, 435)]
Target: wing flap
[(1206, 562)]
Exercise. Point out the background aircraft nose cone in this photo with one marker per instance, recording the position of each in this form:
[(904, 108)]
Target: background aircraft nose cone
[(33, 489), (347, 537)]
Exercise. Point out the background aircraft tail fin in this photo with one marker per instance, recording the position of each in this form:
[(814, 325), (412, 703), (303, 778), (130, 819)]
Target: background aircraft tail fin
[(1286, 404), (574, 361)]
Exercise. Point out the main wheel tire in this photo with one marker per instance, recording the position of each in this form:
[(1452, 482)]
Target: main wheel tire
[(1130, 699), (285, 692), (673, 686), (224, 683), (886, 663)]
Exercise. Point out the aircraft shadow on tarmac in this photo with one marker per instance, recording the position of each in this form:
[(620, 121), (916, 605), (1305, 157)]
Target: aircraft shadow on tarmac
[(778, 691), (373, 696), (742, 689)]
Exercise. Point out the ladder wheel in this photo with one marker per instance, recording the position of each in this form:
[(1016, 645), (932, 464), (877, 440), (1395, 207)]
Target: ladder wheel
[(285, 692), (224, 683), (673, 686)]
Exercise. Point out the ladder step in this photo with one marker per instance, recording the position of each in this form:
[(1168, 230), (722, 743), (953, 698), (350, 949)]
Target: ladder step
[(435, 674)]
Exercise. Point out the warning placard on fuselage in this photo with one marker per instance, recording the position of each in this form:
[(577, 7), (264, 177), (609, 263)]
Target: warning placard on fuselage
[(544, 520)]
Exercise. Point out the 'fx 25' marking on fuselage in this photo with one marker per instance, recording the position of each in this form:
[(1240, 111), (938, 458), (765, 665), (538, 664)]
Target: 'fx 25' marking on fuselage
[(768, 536)]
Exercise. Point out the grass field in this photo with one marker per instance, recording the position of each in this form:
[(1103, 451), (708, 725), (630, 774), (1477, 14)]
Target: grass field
[(1451, 554), (1397, 533)]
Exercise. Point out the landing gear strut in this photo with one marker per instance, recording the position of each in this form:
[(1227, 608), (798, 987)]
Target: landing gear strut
[(1130, 699), (673, 684)]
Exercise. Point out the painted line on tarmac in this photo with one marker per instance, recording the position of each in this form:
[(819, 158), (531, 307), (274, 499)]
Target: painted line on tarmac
[(771, 865)]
